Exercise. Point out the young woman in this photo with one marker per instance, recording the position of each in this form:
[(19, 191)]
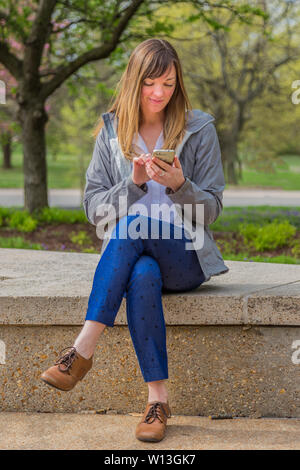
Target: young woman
[(151, 111)]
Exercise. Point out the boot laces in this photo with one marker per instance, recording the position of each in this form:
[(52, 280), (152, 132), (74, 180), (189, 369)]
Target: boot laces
[(66, 359), (155, 413)]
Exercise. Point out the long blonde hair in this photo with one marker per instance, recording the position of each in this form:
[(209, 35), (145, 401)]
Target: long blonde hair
[(150, 59)]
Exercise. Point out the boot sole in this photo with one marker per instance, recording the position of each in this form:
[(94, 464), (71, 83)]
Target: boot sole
[(149, 439), (57, 388)]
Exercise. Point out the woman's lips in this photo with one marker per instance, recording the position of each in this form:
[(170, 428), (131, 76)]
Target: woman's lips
[(156, 101)]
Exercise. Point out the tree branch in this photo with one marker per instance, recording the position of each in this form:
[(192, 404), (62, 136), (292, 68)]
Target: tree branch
[(101, 52), (10, 61), (37, 38)]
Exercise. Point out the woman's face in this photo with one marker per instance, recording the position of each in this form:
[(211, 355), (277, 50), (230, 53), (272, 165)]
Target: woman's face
[(157, 92)]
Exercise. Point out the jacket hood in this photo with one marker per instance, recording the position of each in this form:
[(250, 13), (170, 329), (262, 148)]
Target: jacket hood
[(197, 119)]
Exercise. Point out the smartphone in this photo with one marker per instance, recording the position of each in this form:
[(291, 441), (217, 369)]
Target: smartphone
[(166, 156)]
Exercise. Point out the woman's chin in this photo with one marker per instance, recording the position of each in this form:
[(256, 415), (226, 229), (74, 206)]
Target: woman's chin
[(155, 108)]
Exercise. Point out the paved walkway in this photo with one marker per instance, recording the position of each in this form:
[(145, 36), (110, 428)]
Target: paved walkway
[(260, 197), (95, 431), (71, 198)]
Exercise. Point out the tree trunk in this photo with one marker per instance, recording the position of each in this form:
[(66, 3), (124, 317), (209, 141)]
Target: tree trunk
[(33, 121), (6, 149), (231, 173), (228, 144)]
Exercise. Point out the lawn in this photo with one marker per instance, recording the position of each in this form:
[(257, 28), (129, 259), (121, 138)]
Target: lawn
[(286, 176), (63, 172)]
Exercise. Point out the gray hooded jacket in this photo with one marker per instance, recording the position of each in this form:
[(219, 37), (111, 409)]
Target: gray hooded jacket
[(109, 176)]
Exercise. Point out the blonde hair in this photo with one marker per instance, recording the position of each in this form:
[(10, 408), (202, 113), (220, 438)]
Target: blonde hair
[(150, 59)]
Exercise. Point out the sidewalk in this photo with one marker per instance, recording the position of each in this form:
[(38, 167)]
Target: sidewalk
[(260, 197), (45, 431), (71, 198)]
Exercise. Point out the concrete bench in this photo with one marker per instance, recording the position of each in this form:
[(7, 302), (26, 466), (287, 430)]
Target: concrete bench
[(233, 344)]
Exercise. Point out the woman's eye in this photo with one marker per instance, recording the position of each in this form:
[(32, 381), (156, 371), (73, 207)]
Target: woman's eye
[(150, 84)]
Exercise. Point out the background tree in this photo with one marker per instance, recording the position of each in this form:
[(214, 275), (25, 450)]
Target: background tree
[(57, 38), (75, 109), (9, 128), (230, 69)]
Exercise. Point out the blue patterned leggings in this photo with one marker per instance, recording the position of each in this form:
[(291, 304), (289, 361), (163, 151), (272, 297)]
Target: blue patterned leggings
[(141, 269)]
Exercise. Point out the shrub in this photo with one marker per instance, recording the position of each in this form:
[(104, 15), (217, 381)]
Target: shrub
[(22, 221), (80, 238), (5, 213), (267, 237), (49, 215), (296, 248)]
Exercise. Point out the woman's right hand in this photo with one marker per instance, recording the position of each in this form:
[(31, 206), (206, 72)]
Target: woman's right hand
[(139, 174)]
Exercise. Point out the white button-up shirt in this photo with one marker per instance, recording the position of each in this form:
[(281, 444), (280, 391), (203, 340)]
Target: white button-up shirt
[(156, 191)]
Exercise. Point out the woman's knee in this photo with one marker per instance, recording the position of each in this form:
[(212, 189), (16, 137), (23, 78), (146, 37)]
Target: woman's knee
[(146, 270)]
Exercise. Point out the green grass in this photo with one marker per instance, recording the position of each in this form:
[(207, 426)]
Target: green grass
[(281, 259), (287, 176), (64, 173), (18, 242)]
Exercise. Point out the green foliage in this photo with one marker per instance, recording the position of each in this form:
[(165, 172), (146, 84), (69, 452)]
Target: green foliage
[(160, 27), (5, 213), (18, 242), (22, 221), (296, 248), (90, 250), (108, 92), (254, 11), (80, 238), (267, 237), (52, 215)]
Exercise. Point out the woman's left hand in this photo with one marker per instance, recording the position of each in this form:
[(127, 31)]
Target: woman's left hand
[(165, 174)]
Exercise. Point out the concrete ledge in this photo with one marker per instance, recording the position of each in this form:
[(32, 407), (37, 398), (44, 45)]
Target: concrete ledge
[(52, 288), (232, 343)]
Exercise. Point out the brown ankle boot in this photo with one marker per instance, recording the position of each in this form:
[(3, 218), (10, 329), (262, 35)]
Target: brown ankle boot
[(68, 370), (153, 425)]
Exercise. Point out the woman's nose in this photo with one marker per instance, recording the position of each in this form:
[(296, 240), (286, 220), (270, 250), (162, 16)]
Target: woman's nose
[(158, 92)]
